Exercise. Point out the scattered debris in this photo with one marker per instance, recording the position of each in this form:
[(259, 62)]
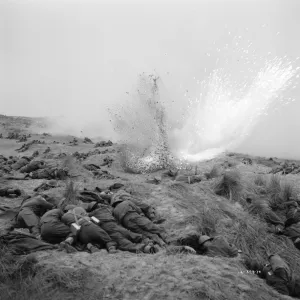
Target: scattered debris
[(47, 150), (87, 141), (107, 161), (26, 147), (46, 186), (83, 156), (286, 168), (10, 192), (102, 174), (35, 153), (247, 161), (74, 142), (103, 144), (91, 167)]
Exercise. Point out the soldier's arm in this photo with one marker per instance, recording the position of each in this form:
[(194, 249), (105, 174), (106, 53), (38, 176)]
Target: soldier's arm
[(60, 213), (142, 206), (135, 207), (45, 204), (68, 219)]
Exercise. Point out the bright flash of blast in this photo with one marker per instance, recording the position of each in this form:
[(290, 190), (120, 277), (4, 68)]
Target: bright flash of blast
[(219, 120), (226, 114)]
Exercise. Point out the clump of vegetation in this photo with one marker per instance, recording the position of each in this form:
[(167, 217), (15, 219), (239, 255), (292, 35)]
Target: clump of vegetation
[(22, 278), (70, 195), (230, 185), (260, 180), (279, 191), (230, 154), (69, 162), (258, 206), (14, 268), (274, 190), (213, 173), (287, 191), (210, 219), (231, 163)]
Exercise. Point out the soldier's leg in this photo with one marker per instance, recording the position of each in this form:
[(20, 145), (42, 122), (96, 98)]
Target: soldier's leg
[(132, 236), (30, 220), (91, 233), (123, 243), (132, 224), (145, 224), (54, 232)]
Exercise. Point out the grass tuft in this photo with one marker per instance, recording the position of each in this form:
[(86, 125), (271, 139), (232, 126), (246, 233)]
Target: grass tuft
[(260, 180), (230, 185), (213, 173), (287, 191), (70, 195)]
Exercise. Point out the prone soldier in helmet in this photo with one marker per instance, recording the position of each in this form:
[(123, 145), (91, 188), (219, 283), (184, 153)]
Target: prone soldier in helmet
[(131, 215), (87, 232)]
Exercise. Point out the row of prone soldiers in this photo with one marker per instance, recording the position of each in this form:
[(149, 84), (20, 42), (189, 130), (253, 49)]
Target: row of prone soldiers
[(124, 222), (277, 273), (34, 169), (120, 221)]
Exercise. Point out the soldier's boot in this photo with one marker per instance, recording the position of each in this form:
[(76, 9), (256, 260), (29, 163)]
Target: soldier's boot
[(92, 248), (147, 249), (156, 248), (146, 241), (150, 248), (112, 249), (137, 238), (138, 248), (158, 240), (68, 247), (164, 237)]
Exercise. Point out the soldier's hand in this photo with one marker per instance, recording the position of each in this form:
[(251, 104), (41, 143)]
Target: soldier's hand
[(190, 249), (38, 236)]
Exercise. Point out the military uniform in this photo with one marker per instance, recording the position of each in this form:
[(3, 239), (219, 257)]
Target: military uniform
[(32, 166), (89, 232), (41, 174), (278, 275), (30, 213), (129, 215), (53, 230), (20, 163), (124, 238)]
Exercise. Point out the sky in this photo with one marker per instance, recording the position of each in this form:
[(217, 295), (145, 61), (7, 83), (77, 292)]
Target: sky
[(78, 58)]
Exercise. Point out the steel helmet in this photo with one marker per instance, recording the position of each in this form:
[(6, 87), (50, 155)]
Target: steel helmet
[(203, 239), (52, 182), (79, 211), (69, 207), (118, 197)]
